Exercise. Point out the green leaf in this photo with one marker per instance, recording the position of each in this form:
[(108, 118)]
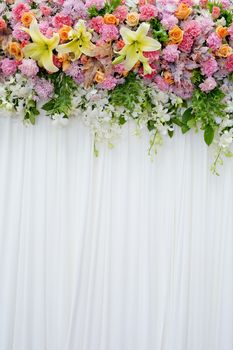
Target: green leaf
[(187, 115), (208, 134)]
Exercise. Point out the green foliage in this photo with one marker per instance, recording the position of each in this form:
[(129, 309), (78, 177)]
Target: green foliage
[(63, 89), (127, 94), (206, 107), (31, 111), (109, 7), (197, 77), (158, 31)]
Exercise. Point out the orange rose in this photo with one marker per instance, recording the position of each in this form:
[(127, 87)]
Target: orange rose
[(132, 19), (176, 35), (222, 31), (183, 11), (99, 77), (15, 50), (168, 77), (224, 51), (110, 19), (27, 18), (64, 33)]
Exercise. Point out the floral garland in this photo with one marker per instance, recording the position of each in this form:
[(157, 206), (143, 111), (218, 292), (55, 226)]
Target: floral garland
[(161, 63)]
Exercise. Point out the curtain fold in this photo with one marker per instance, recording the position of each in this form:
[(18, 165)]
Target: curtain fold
[(112, 253)]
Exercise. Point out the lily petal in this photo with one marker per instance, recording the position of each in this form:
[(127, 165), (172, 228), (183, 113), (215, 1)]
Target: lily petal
[(132, 57), (35, 32), (128, 35), (142, 31), (47, 62), (149, 44)]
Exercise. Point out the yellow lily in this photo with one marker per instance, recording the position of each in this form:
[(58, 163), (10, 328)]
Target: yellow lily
[(80, 42), (135, 44), (41, 50)]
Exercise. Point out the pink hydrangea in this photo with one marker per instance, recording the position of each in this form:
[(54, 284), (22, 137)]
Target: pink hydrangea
[(121, 13), (18, 10), (109, 83), (96, 23), (147, 12), (208, 85), (43, 88), (20, 34), (209, 66), (192, 28), (214, 41), (99, 4), (229, 63), (119, 68), (171, 53), (59, 21), (226, 4), (8, 66), (169, 21), (29, 68), (186, 44), (230, 31), (44, 26), (206, 24), (109, 32), (161, 83)]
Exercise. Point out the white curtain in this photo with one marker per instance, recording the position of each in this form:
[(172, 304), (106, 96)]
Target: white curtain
[(115, 252)]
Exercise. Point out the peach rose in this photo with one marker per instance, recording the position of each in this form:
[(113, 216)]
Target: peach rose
[(110, 19), (183, 11), (168, 77), (222, 31), (132, 19), (99, 77), (176, 35), (224, 51), (27, 18), (15, 50), (64, 33)]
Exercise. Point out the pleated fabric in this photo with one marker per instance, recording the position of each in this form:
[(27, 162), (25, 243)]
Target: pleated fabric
[(112, 253)]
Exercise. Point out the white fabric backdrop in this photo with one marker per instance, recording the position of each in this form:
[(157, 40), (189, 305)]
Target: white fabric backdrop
[(115, 252)]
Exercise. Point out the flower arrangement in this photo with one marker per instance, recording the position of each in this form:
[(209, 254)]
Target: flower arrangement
[(162, 63)]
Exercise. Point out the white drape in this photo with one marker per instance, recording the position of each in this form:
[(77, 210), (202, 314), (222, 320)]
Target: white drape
[(115, 252)]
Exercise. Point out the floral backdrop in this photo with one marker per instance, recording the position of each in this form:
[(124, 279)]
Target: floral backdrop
[(162, 63)]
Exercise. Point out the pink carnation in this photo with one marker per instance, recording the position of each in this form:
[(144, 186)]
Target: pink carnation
[(192, 28), (109, 32), (209, 67), (214, 41), (96, 23), (169, 21), (109, 83), (208, 85), (186, 44), (144, 2), (99, 4), (147, 12), (46, 11), (121, 13), (171, 53), (59, 21), (229, 63), (18, 10), (8, 66), (152, 56), (29, 68)]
